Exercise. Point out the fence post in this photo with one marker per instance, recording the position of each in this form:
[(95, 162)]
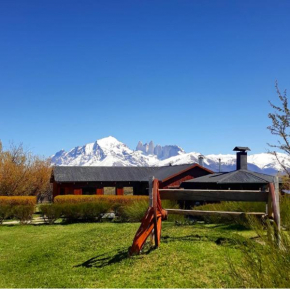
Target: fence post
[(269, 205), (274, 190), (151, 191), (151, 205), (277, 196)]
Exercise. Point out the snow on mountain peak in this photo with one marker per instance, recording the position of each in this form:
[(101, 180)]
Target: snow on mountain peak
[(108, 141), (109, 151)]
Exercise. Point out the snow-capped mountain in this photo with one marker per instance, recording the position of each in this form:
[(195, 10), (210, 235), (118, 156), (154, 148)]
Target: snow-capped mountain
[(104, 152), (111, 152), (162, 152)]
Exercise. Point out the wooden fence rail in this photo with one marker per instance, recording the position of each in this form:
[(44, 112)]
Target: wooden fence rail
[(151, 223), (214, 195)]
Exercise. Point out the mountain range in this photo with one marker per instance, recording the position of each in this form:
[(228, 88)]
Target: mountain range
[(111, 152)]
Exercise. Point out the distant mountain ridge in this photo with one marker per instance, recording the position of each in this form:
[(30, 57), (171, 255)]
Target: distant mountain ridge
[(111, 152), (161, 152)]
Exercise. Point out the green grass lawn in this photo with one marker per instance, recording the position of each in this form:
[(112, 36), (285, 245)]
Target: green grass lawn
[(95, 255)]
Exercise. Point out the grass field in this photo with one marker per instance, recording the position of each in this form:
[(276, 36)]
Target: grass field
[(95, 255)]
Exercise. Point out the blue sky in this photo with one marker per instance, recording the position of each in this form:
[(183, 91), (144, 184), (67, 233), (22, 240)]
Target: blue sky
[(194, 73)]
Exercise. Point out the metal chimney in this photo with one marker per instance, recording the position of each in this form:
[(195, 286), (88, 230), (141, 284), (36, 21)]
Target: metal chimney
[(242, 162), (200, 160), (220, 165)]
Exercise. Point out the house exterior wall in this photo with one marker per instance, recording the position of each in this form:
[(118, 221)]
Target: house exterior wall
[(175, 181), (139, 188)]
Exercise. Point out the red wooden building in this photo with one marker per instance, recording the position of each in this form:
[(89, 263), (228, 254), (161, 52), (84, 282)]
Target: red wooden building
[(92, 180)]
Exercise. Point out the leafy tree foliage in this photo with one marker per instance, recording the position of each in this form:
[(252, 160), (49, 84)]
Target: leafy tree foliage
[(22, 173)]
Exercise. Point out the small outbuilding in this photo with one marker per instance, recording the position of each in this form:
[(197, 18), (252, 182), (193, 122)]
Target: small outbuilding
[(89, 180)]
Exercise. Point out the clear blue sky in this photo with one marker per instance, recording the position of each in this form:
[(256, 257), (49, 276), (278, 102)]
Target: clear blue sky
[(194, 73)]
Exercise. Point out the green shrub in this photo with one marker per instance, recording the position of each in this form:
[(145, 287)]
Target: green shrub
[(133, 212), (231, 207), (20, 207), (265, 264), (168, 204), (94, 211), (5, 212), (71, 212), (285, 211), (126, 208), (51, 212), (84, 211), (23, 213)]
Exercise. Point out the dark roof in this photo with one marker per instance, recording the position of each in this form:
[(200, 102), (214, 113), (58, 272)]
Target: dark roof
[(235, 177), (241, 149), (116, 174)]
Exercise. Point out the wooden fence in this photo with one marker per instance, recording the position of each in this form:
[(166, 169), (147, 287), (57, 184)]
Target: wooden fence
[(151, 223), (269, 195)]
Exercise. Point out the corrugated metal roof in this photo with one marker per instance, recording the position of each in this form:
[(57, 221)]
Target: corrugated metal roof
[(235, 177), (114, 174)]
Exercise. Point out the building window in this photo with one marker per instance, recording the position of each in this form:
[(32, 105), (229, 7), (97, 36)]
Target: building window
[(89, 191)]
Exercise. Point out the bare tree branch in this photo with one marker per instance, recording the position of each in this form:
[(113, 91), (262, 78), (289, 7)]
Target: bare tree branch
[(280, 118)]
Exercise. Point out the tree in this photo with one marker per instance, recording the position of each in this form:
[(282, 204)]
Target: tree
[(280, 118), (22, 173)]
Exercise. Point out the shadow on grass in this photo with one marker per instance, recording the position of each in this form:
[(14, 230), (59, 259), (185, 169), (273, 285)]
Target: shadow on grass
[(105, 259), (198, 238), (234, 227)]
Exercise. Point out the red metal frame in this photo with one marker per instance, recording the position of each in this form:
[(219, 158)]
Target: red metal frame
[(151, 223)]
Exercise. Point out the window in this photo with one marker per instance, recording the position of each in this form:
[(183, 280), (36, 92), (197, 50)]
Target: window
[(89, 191)]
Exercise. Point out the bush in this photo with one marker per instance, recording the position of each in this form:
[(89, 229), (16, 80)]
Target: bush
[(133, 212), (265, 265), (51, 212), (120, 200), (21, 200), (85, 211), (285, 211), (91, 207), (71, 212), (168, 204), (23, 213), (5, 212), (231, 207), (94, 211), (20, 207)]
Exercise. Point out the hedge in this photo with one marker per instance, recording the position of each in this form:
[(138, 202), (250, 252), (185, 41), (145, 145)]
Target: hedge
[(20, 208), (20, 200), (92, 208), (122, 200)]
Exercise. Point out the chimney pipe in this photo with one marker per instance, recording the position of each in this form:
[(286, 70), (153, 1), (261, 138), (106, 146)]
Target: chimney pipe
[(242, 162), (220, 165), (200, 160)]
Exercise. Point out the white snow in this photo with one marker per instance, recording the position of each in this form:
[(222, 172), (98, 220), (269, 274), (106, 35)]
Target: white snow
[(111, 152)]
